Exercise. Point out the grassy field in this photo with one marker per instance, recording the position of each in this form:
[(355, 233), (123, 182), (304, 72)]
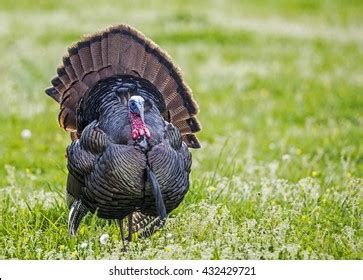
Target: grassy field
[(280, 88)]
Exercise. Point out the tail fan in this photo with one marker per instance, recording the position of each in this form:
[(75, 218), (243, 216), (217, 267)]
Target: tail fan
[(122, 50)]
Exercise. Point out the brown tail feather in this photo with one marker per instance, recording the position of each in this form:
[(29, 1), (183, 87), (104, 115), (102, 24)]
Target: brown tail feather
[(96, 52), (58, 85), (84, 52), (123, 50), (63, 76), (114, 49), (106, 70), (133, 57), (191, 140), (67, 119), (69, 70), (52, 92), (76, 62), (188, 126)]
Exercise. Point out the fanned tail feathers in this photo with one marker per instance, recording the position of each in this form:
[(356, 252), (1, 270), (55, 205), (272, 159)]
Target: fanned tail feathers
[(122, 50)]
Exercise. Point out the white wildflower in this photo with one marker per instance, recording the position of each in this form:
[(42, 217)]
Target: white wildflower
[(286, 157), (84, 245), (273, 166), (251, 223), (104, 238), (46, 199), (26, 134)]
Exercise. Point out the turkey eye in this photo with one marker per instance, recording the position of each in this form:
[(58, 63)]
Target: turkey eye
[(133, 107)]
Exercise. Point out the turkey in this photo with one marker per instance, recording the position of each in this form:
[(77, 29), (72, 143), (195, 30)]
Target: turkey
[(131, 118)]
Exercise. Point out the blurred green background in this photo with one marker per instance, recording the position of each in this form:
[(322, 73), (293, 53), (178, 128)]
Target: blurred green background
[(280, 89)]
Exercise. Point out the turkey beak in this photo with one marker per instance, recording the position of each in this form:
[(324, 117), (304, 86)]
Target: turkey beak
[(141, 110)]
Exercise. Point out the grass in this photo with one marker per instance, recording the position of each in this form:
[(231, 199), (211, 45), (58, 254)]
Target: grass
[(279, 84)]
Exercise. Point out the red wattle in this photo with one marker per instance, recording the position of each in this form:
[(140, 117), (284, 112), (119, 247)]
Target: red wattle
[(134, 134), (138, 127)]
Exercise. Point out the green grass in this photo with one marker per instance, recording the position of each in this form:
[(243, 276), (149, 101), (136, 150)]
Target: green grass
[(280, 89)]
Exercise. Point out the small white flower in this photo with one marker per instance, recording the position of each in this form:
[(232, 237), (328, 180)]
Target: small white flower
[(104, 238), (84, 245), (26, 134), (286, 157), (169, 235)]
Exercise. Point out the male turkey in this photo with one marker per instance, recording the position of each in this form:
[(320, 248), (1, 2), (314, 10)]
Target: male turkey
[(131, 118)]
